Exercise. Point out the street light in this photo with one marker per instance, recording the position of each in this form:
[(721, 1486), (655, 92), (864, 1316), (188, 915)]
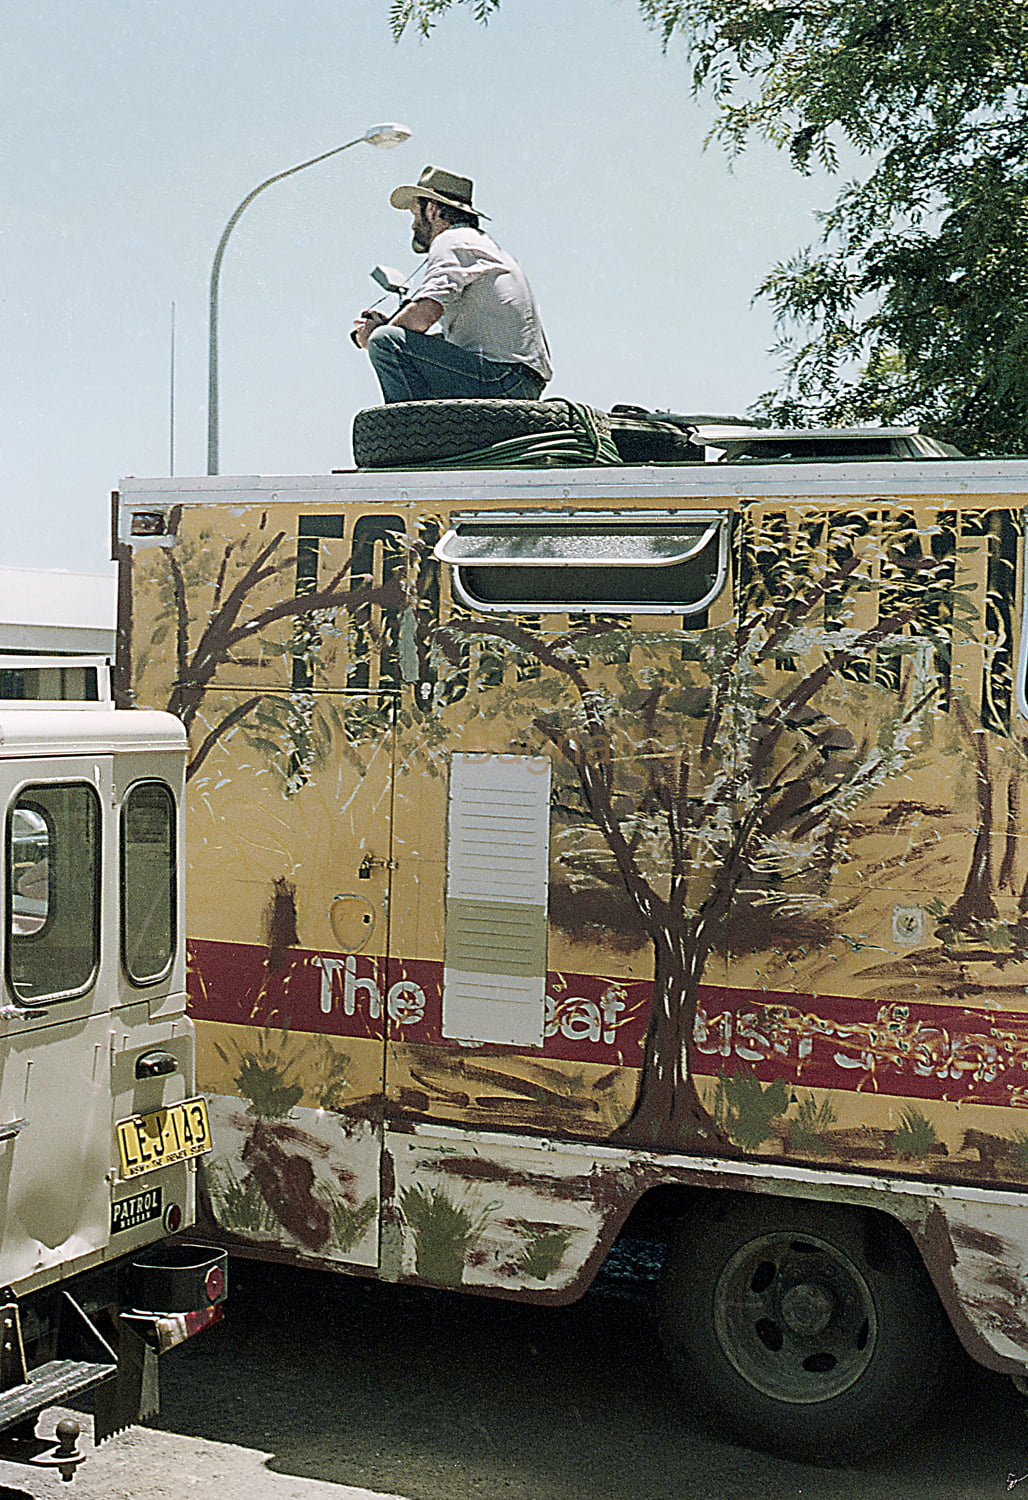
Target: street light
[(382, 136)]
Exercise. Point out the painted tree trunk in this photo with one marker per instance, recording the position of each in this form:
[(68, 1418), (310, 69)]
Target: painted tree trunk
[(974, 906), (668, 1111)]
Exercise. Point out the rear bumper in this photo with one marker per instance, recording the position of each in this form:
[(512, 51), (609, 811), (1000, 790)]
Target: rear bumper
[(105, 1329)]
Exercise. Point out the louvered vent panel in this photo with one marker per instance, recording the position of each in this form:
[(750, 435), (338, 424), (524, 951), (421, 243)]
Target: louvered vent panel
[(497, 871)]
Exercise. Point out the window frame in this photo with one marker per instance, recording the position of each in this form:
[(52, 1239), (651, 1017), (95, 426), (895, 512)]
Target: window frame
[(708, 522), (147, 981), (22, 796)]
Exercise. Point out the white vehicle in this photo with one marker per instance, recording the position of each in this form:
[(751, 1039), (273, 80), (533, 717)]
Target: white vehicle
[(100, 1131)]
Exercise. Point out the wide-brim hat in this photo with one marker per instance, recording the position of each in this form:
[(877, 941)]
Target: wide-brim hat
[(442, 187)]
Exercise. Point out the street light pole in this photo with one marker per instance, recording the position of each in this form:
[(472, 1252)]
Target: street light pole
[(382, 136)]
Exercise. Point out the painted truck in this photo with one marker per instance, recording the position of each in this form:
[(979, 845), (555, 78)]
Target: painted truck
[(590, 851), (100, 1128)]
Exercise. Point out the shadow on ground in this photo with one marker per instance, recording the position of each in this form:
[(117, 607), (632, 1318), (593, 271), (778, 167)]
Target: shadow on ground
[(433, 1395)]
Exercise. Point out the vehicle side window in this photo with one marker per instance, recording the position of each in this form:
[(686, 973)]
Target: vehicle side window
[(148, 882), (626, 564), (53, 891)]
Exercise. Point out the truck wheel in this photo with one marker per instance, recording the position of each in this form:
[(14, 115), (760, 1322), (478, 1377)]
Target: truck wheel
[(805, 1329), (419, 432)]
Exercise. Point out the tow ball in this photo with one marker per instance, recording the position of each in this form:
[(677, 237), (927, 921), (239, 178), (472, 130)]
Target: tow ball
[(66, 1455)]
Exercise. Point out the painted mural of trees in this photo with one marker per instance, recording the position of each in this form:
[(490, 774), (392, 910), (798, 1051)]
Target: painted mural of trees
[(998, 754), (706, 781), (749, 807), (257, 593)]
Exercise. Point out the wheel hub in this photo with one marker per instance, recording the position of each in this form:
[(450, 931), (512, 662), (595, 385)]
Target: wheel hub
[(807, 1309), (795, 1317)]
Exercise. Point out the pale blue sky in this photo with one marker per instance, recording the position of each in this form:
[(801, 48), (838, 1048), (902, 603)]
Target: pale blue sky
[(134, 127)]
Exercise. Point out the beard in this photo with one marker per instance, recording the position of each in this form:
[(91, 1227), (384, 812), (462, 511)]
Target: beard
[(421, 235)]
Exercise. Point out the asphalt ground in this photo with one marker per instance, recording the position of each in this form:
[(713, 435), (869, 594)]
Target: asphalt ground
[(321, 1387)]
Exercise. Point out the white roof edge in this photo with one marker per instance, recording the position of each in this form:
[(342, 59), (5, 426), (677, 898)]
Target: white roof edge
[(34, 726), (689, 482)]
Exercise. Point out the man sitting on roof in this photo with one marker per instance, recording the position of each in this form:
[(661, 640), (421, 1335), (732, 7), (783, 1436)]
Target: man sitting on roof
[(492, 343)]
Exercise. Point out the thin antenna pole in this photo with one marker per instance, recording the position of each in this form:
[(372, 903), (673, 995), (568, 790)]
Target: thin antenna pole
[(171, 399)]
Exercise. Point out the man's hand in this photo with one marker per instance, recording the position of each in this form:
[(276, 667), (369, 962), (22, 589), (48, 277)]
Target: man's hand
[(365, 326), (418, 315)]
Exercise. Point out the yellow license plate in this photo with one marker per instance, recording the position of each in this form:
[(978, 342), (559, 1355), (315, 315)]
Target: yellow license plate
[(175, 1133)]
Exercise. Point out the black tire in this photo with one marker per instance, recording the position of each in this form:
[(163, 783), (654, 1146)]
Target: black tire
[(806, 1329), (420, 432)]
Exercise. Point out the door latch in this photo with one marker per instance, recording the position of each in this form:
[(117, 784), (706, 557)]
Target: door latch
[(156, 1064), (372, 862)]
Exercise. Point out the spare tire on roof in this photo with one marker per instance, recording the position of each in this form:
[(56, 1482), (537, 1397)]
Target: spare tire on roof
[(422, 432)]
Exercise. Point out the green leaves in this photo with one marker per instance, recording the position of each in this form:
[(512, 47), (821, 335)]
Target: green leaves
[(914, 306), (422, 15)]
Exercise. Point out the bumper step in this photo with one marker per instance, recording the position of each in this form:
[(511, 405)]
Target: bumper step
[(49, 1385)]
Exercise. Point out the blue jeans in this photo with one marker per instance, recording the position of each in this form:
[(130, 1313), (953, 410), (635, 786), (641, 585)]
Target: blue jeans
[(424, 367)]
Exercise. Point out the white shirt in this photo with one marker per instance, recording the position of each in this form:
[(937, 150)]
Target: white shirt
[(487, 303)]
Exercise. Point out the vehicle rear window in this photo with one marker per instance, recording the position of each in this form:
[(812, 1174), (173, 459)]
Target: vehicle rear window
[(148, 882), (53, 891)]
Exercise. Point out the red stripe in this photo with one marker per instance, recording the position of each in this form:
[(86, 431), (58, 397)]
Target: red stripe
[(827, 1041)]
